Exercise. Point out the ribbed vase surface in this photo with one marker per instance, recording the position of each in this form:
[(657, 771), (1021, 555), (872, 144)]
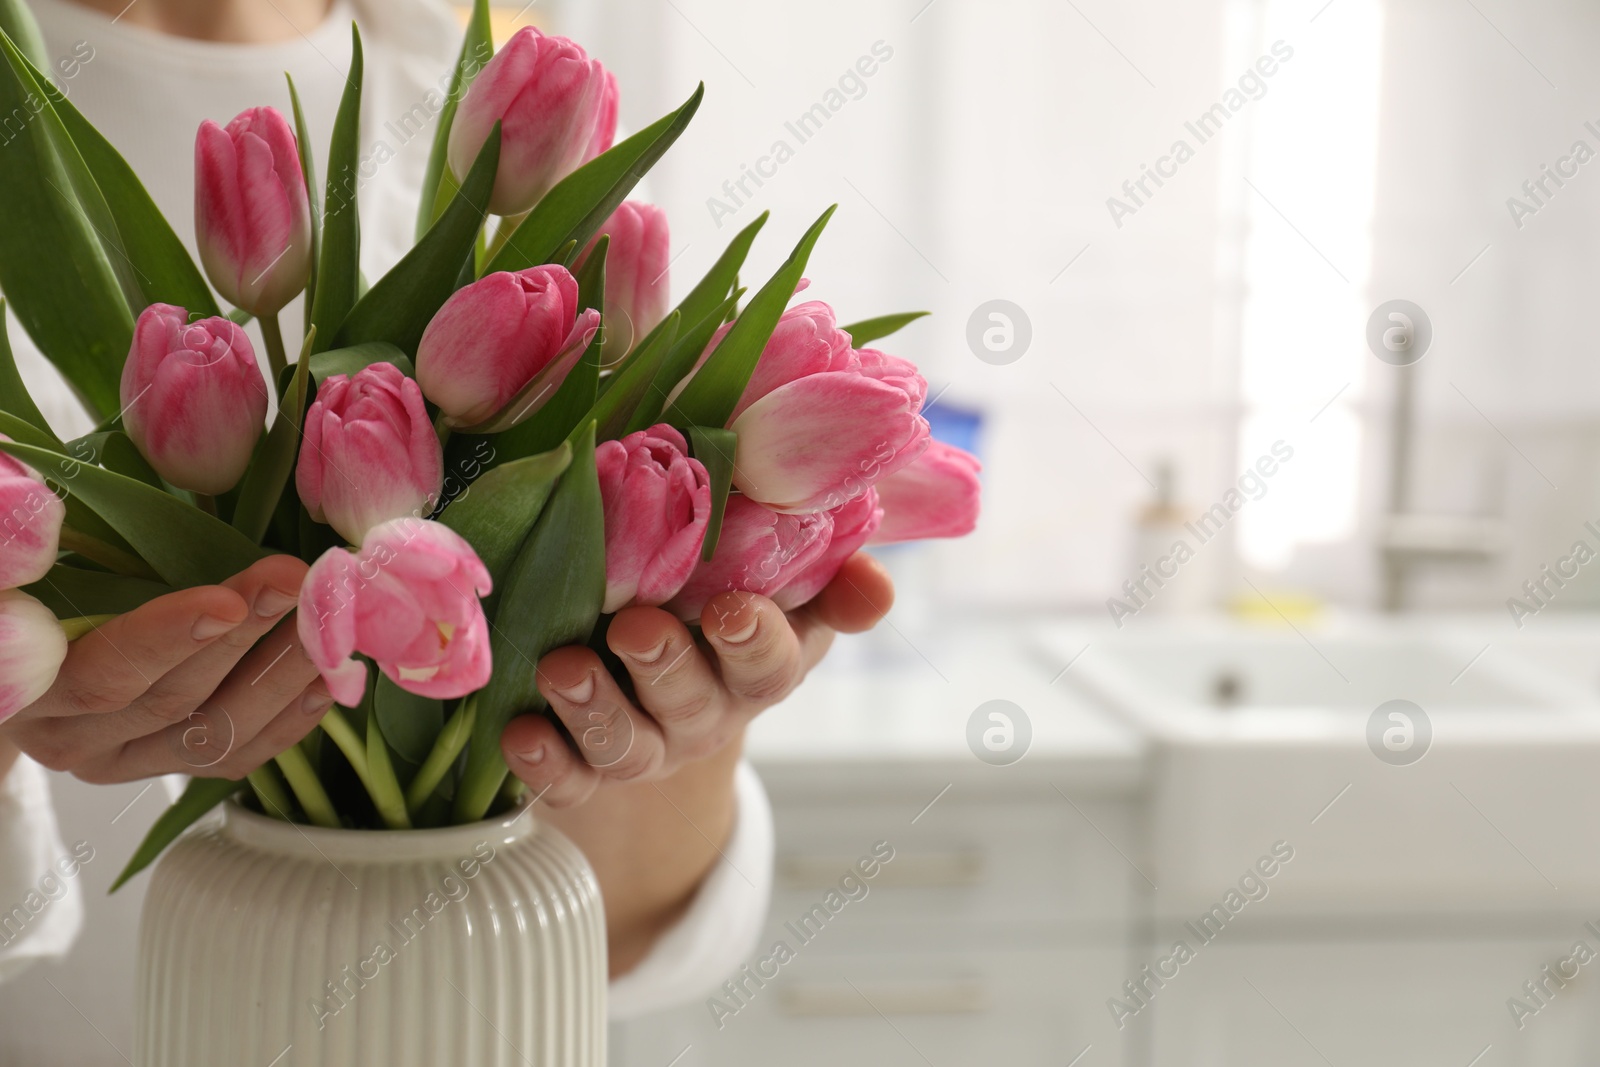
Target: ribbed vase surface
[(281, 945)]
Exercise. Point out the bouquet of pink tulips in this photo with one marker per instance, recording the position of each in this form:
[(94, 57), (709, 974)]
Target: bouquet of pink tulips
[(507, 437)]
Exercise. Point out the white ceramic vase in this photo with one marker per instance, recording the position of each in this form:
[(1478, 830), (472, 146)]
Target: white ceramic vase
[(280, 945)]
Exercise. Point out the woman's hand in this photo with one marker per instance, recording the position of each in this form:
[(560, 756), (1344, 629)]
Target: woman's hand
[(691, 699), (208, 681), (647, 789)]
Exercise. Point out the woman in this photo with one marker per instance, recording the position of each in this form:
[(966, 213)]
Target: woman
[(656, 825)]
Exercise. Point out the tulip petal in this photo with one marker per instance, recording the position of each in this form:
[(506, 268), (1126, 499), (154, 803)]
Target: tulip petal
[(822, 439)]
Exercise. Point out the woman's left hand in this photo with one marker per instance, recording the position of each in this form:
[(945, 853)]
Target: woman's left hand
[(691, 699)]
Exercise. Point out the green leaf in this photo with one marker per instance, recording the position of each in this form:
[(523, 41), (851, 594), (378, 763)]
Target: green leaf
[(85, 189), (410, 723), (164, 270), (866, 331), (53, 268), (308, 169), (18, 429), (339, 270), (498, 511), (552, 597), (199, 797), (14, 396), (17, 22), (115, 451), (477, 48), (680, 360), (73, 591), (273, 463), (714, 391), (185, 546), (582, 201), (715, 448), (402, 303), (552, 423), (351, 361), (620, 405)]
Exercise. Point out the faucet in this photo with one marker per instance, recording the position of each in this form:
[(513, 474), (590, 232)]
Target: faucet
[(1407, 539)]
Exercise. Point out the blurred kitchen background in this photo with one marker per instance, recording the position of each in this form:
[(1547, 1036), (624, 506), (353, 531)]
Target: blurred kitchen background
[(1375, 674)]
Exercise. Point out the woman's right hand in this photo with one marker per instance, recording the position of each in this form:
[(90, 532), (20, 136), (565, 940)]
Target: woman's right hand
[(209, 681)]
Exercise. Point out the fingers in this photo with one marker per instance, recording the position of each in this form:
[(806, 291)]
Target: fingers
[(113, 665), (222, 736), (672, 678), (857, 598), (758, 652), (269, 588), (611, 735), (538, 754)]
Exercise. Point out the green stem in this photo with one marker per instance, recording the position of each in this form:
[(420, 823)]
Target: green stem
[(277, 355), (381, 780), (82, 624), (108, 556), (386, 798), (446, 749), (307, 788), (270, 792), (476, 794), (507, 226)]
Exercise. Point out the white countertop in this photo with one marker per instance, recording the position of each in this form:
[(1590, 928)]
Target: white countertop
[(893, 705)]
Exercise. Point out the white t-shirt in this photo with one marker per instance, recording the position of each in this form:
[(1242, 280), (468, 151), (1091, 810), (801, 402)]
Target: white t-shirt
[(148, 93)]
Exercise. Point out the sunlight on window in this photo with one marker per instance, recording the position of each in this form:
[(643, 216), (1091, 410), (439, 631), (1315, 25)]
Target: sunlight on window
[(1311, 172)]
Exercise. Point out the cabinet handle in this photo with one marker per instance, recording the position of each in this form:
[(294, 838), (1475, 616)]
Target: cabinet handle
[(910, 870), (840, 999)]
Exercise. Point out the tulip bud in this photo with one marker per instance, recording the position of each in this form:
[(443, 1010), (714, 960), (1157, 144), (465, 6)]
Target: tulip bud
[(759, 551), (657, 504), (636, 275), (408, 598), (193, 398), (32, 648), (499, 348), (819, 422), (557, 109), (252, 218), (936, 495), (853, 524), (30, 524), (370, 454)]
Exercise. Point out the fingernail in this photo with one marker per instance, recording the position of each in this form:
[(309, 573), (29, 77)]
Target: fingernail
[(650, 655), (743, 633), (270, 602), (317, 701), (581, 693), (533, 755), (207, 627)]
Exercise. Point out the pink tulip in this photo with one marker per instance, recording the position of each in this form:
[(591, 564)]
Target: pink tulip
[(193, 398), (557, 109), (853, 524), (370, 454), (30, 524), (819, 422), (32, 647), (759, 551), (409, 600), (657, 504), (252, 218), (934, 496), (501, 347), (636, 274)]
